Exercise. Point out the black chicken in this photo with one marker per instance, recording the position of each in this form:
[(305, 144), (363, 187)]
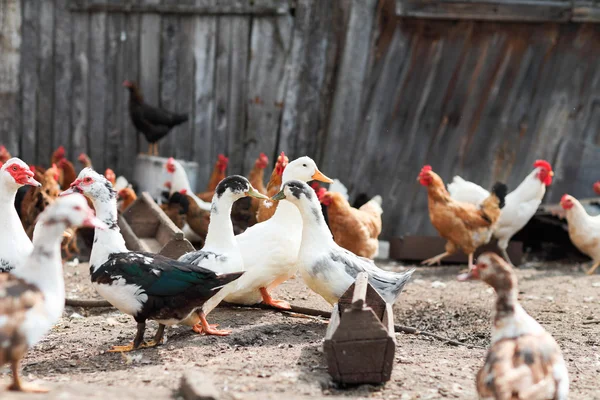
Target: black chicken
[(153, 122)]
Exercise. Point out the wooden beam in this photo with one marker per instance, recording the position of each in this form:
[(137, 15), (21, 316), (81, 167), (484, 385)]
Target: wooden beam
[(10, 32), (223, 7), (496, 10)]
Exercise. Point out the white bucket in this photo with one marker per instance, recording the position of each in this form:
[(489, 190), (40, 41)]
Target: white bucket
[(150, 174)]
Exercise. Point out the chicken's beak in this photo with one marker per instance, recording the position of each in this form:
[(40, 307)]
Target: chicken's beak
[(254, 193), (279, 196), (67, 234), (318, 176), (551, 173)]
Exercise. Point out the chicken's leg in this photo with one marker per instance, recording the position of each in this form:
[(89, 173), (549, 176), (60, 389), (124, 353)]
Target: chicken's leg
[(267, 299), (138, 342), (436, 259), (594, 266), (19, 386), (208, 329), (470, 261), (156, 149), (506, 257), (149, 149)]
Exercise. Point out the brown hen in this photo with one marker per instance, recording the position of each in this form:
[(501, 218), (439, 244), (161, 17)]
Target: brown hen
[(266, 208)]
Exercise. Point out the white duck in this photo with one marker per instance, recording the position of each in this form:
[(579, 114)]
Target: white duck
[(15, 245), (270, 248), (327, 268), (221, 253), (34, 294)]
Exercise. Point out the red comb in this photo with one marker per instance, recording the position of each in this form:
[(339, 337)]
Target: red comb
[(170, 160), (564, 198), (426, 168), (315, 186), (223, 159), (183, 191), (543, 164)]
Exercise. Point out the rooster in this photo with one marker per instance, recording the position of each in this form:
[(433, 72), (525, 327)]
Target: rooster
[(267, 208), (66, 170), (584, 230), (4, 155), (217, 176), (464, 225), (153, 122), (521, 203), (256, 178)]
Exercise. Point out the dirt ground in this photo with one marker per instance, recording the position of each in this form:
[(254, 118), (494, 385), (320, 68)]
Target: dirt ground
[(272, 355)]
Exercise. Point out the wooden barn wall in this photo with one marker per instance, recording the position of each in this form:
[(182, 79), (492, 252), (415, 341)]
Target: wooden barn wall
[(370, 94)]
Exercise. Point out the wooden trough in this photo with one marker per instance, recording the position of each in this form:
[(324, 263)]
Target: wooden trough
[(145, 227), (418, 248), (360, 342)]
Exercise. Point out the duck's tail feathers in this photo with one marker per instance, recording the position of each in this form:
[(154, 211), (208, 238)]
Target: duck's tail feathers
[(224, 279), (391, 293)]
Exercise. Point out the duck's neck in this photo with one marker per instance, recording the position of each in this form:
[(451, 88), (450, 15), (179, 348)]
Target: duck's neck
[(511, 320), (315, 233), (220, 228), (43, 268), (8, 212), (288, 214), (109, 241)]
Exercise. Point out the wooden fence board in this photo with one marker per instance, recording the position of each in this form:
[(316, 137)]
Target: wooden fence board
[(97, 91), (205, 45), (80, 85), (170, 42), (10, 31), (29, 81), (203, 7), (45, 100), (149, 63), (130, 48), (185, 89), (270, 43), (115, 95), (222, 126), (62, 77)]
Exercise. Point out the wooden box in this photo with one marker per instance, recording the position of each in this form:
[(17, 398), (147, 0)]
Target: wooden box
[(419, 248), (145, 227), (360, 342)]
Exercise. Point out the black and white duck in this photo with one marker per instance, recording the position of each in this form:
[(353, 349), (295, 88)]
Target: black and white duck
[(143, 285), (32, 297), (327, 268), (221, 253)]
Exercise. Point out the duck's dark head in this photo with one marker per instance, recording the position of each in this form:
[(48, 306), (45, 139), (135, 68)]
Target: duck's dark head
[(237, 187)]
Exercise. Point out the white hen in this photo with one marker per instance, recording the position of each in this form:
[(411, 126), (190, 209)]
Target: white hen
[(584, 229), (520, 204)]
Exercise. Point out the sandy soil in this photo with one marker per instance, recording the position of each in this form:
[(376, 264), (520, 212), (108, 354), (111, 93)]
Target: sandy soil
[(271, 355)]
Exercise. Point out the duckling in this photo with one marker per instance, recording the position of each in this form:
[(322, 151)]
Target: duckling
[(221, 253), (524, 361), (33, 295), (270, 248), (327, 268), (143, 285)]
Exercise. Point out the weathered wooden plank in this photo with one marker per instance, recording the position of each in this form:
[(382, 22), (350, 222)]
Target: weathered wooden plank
[(10, 31), (221, 122), (80, 84), (45, 87), (97, 90), (62, 77), (269, 46), (149, 63), (115, 95), (202, 7), (29, 80), (238, 93), (130, 57), (205, 35), (183, 147), (345, 113), (170, 39), (495, 10)]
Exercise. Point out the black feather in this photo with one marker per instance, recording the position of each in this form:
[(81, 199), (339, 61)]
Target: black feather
[(500, 190)]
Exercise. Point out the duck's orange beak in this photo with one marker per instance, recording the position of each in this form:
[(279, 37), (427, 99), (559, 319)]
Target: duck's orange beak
[(318, 176)]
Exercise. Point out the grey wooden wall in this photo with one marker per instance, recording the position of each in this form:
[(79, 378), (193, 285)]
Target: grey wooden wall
[(371, 89)]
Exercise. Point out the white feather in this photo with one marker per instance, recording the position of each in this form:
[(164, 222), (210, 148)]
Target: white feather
[(338, 187), (466, 192)]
